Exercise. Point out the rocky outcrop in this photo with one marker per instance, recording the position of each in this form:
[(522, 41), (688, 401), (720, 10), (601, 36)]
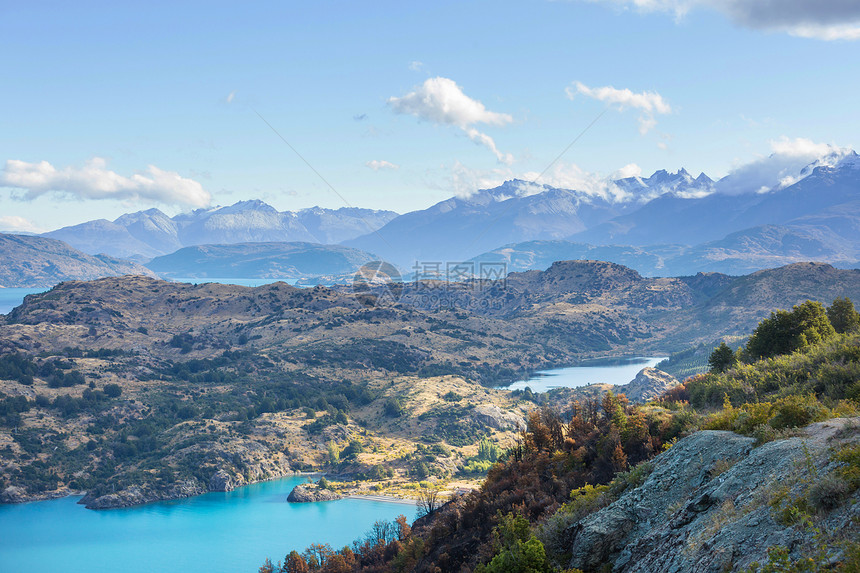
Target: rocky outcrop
[(222, 481), (707, 505), (305, 493), (14, 494), (494, 417), (138, 495), (647, 385)]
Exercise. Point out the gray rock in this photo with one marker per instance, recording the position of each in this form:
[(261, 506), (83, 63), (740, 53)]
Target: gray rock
[(648, 384), (705, 505), (305, 493), (13, 494), (138, 495), (221, 481)]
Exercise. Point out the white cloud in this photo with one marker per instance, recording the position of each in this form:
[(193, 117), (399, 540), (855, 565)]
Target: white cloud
[(649, 103), (571, 176), (783, 167), (629, 170), (465, 181), (231, 96), (820, 19), (16, 224), (487, 141), (415, 65), (95, 181), (442, 101), (377, 164)]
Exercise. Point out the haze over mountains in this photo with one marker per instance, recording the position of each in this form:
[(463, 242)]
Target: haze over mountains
[(668, 224)]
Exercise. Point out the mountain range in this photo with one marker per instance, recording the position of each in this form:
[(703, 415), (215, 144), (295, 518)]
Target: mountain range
[(147, 234), (663, 225)]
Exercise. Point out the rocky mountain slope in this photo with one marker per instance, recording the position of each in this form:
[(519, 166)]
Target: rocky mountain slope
[(713, 502), (31, 261), (153, 388)]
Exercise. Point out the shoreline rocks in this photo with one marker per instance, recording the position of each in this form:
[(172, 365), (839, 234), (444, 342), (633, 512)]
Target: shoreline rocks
[(307, 493)]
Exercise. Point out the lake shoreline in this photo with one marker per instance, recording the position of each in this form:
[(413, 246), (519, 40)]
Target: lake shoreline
[(21, 497)]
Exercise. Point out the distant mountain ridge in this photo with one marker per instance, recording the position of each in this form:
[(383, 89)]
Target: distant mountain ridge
[(718, 225), (670, 223), (147, 234), (260, 260), (32, 261)]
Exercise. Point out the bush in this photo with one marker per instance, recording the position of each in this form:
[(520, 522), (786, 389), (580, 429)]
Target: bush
[(828, 492), (393, 408), (112, 390)]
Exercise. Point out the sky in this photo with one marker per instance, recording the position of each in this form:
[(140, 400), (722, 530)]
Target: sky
[(114, 107)]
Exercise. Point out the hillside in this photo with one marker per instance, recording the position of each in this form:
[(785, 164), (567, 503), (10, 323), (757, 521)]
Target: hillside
[(260, 260), (152, 388), (769, 482), (31, 261)]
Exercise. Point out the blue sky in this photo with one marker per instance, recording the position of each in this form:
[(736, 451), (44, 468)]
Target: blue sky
[(113, 107)]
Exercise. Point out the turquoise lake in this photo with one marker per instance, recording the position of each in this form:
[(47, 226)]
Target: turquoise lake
[(215, 532), (615, 371)]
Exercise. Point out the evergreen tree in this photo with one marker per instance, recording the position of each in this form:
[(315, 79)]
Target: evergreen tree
[(722, 358), (787, 331), (843, 315)]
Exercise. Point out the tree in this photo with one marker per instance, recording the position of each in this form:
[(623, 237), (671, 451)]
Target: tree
[(295, 563), (393, 408), (722, 358), (787, 331), (843, 315), (428, 501), (517, 549), (333, 453)]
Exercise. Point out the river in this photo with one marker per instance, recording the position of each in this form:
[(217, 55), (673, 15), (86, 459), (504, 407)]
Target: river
[(232, 531), (614, 371)]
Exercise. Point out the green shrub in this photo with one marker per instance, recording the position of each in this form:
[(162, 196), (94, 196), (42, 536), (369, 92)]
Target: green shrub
[(828, 492)]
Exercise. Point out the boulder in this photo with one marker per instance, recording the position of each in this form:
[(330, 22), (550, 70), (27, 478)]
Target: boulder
[(305, 493)]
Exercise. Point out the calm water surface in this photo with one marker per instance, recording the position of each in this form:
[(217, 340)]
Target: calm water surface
[(620, 371), (215, 532)]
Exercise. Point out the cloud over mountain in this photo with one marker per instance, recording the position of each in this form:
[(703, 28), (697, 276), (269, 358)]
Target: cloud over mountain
[(784, 167), (95, 181), (441, 101)]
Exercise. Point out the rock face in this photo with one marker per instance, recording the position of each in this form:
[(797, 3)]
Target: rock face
[(222, 481), (647, 385), (305, 493), (138, 495), (494, 417), (13, 494), (705, 506)]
